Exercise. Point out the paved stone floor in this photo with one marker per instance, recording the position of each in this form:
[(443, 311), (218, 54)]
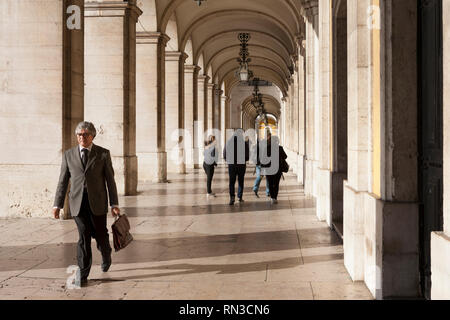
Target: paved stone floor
[(187, 247)]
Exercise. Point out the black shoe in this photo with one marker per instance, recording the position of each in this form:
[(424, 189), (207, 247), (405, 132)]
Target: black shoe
[(84, 282), (241, 200), (106, 264), (231, 202), (256, 193)]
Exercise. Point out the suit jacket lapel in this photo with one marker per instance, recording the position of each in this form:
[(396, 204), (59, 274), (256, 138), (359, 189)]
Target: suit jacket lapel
[(92, 156), (77, 156)]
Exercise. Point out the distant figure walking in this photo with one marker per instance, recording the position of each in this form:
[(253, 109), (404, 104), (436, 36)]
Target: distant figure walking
[(236, 153), (258, 169), (209, 163), (273, 169)]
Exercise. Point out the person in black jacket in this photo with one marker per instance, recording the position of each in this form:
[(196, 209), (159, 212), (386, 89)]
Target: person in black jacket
[(236, 153), (273, 168), (209, 163)]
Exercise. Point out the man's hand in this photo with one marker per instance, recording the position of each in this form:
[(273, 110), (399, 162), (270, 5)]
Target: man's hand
[(115, 211), (56, 212)]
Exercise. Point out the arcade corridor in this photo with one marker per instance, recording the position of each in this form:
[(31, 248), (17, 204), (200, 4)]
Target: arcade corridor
[(188, 248)]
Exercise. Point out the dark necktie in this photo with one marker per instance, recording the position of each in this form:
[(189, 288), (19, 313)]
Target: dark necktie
[(85, 157)]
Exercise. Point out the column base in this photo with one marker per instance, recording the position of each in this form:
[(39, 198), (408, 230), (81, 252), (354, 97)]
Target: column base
[(300, 169), (126, 174), (162, 168), (440, 262), (309, 177), (324, 195), (381, 244)]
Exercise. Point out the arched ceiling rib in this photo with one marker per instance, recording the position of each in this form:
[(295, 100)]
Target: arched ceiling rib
[(207, 23), (271, 105), (261, 73), (211, 31), (232, 64), (226, 54), (231, 35), (284, 9)]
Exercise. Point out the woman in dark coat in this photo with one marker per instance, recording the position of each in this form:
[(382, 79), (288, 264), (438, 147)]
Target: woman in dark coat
[(273, 174)]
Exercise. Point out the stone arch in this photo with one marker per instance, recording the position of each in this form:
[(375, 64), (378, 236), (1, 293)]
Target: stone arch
[(172, 33), (148, 21), (189, 52), (201, 63)]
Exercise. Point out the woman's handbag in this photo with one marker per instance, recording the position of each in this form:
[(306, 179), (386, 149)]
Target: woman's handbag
[(284, 166), (121, 232)]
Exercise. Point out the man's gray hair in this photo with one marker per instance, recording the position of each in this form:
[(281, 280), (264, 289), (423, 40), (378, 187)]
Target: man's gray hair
[(88, 126)]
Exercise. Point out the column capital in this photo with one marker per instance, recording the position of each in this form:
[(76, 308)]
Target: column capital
[(176, 56), (112, 8), (311, 7), (299, 38), (205, 77), (218, 92), (191, 68), (152, 38), (211, 85)]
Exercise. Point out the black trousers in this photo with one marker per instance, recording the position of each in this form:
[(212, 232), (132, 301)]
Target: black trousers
[(239, 171), (274, 184), (209, 170), (89, 226)]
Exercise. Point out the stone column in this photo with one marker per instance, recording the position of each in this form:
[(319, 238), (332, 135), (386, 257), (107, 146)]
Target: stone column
[(189, 113), (440, 241), (210, 92), (287, 120), (312, 101), (110, 77), (358, 114), (73, 107), (150, 103), (217, 108), (175, 111), (197, 124), (35, 98), (201, 115), (323, 177), (301, 110), (227, 117), (295, 115), (73, 76), (223, 119)]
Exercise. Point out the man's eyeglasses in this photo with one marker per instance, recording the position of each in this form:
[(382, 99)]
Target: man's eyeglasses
[(84, 135)]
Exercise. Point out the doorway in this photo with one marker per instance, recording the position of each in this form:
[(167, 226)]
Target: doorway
[(431, 132), (340, 101)]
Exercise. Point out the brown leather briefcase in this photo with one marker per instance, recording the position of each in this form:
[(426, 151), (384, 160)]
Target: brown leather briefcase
[(121, 232)]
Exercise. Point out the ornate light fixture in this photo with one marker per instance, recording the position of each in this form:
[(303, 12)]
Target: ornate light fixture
[(257, 99), (243, 73), (199, 2)]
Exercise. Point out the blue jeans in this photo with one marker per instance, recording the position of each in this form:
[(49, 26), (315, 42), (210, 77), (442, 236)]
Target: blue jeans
[(258, 181)]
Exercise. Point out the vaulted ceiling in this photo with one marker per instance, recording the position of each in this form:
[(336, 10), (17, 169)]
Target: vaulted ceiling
[(209, 34)]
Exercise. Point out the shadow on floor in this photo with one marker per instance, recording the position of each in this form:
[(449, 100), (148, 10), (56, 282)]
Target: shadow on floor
[(165, 249)]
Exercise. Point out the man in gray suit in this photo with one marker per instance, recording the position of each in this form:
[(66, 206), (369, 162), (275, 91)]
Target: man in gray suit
[(90, 171)]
